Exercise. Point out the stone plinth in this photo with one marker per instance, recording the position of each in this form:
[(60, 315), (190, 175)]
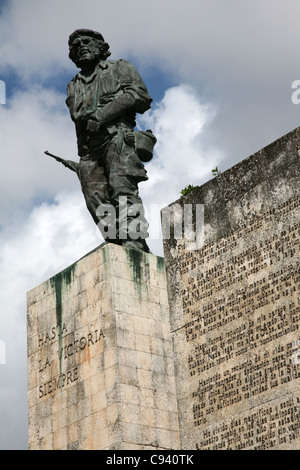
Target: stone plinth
[(100, 360), (235, 307)]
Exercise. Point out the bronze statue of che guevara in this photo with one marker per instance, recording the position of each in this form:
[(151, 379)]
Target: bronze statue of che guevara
[(103, 99)]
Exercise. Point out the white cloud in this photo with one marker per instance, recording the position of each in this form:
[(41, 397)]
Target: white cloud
[(56, 233), (179, 122), (187, 36), (34, 121)]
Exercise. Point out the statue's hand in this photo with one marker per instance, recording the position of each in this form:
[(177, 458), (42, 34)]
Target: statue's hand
[(93, 126)]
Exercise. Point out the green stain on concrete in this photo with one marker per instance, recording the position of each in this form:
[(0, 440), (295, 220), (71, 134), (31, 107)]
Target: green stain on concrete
[(136, 259), (58, 283), (105, 260), (139, 265), (104, 255), (64, 278), (160, 264)]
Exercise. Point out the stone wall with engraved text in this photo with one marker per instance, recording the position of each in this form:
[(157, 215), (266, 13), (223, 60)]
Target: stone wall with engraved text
[(235, 307)]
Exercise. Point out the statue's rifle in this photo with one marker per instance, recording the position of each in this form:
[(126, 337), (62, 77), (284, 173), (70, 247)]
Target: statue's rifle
[(67, 163)]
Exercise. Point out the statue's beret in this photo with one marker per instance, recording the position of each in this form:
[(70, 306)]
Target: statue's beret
[(85, 32)]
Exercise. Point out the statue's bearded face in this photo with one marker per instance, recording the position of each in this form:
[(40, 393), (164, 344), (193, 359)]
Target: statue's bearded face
[(85, 49)]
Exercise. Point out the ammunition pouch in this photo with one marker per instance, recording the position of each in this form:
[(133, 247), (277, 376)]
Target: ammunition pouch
[(144, 143)]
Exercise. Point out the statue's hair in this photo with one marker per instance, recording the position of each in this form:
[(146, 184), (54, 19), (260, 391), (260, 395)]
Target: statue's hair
[(105, 52)]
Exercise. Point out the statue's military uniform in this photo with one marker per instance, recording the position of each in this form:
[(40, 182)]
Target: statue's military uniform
[(109, 167)]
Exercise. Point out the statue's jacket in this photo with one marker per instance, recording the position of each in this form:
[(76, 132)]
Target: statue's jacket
[(111, 95)]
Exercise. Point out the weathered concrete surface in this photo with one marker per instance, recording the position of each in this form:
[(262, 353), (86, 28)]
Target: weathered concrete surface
[(235, 307), (100, 361)]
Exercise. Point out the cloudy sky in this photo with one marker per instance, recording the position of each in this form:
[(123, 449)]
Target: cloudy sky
[(220, 73)]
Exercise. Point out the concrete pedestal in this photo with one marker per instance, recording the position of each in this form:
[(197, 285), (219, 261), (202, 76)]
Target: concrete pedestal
[(100, 359)]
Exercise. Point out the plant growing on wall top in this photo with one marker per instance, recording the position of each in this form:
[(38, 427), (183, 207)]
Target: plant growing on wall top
[(188, 189), (216, 171)]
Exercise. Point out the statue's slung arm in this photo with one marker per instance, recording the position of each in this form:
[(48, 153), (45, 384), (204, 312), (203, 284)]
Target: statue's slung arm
[(121, 105), (135, 96)]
